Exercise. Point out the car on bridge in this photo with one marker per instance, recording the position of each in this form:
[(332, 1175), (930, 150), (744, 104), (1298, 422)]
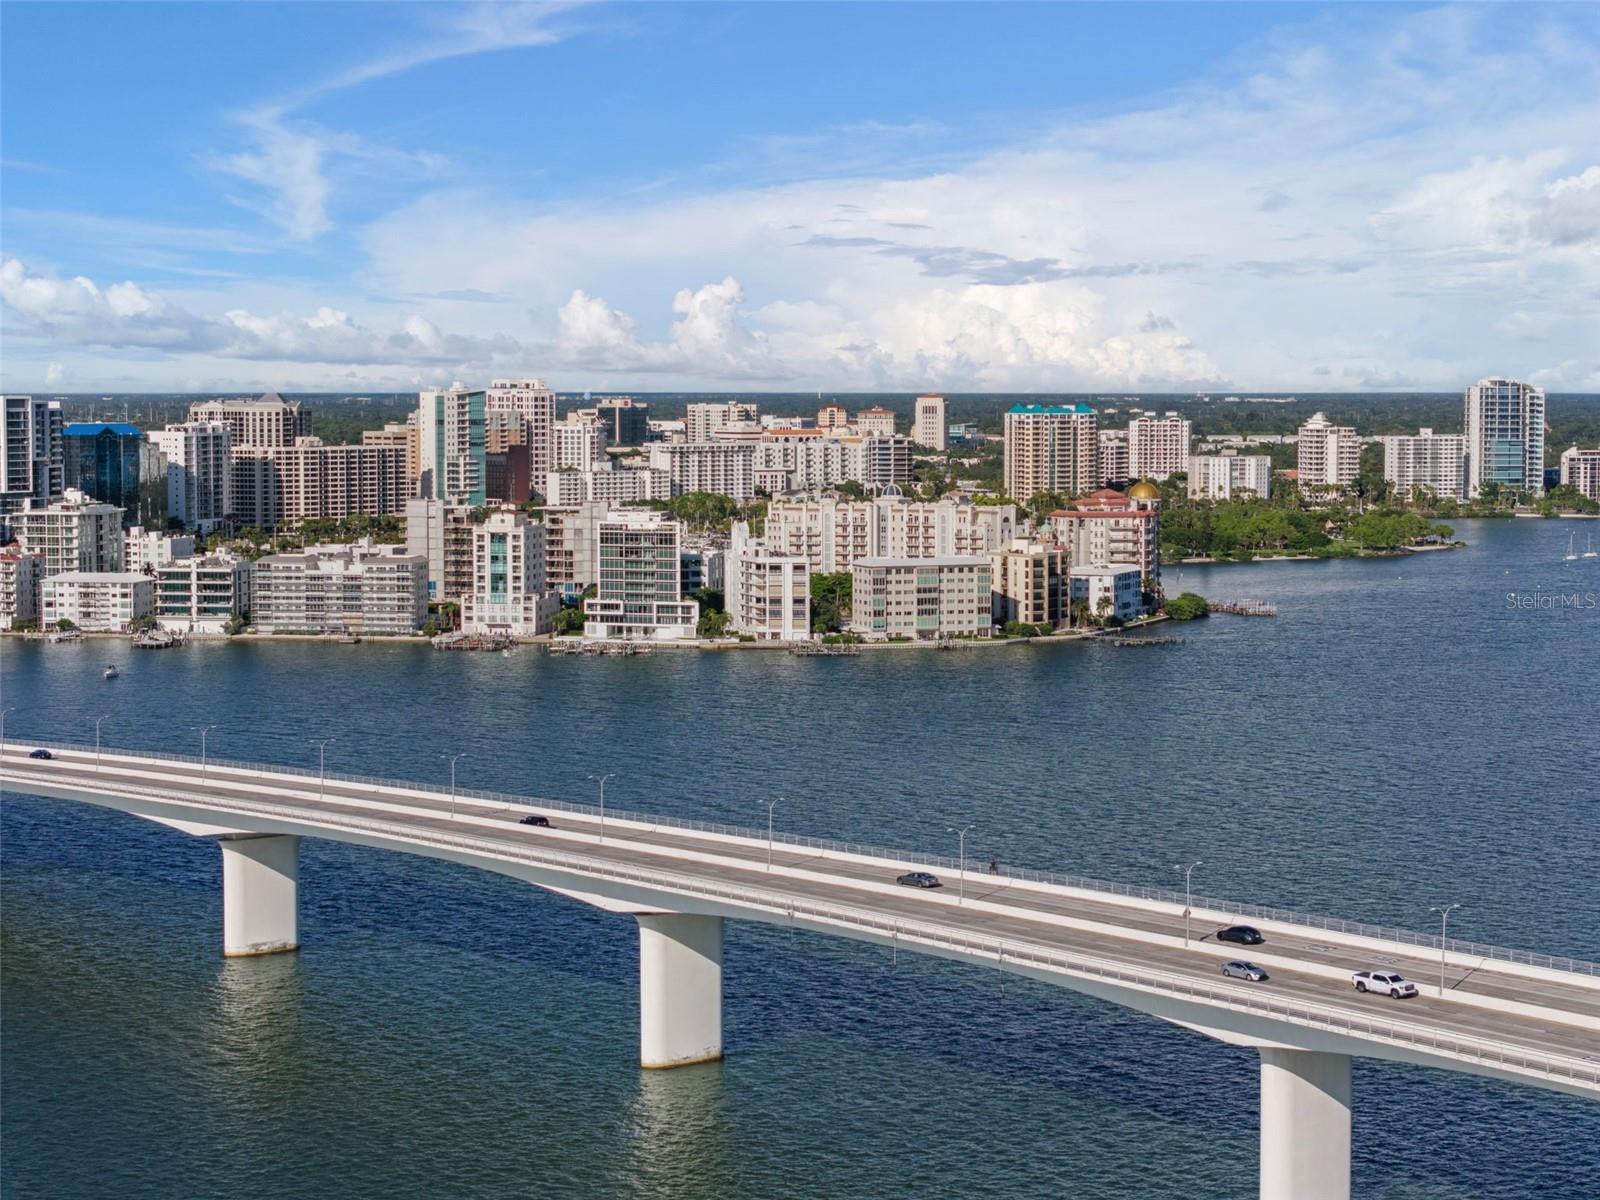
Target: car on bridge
[(1239, 969), (41, 754), (919, 879), (1396, 985), (534, 819), (1241, 935)]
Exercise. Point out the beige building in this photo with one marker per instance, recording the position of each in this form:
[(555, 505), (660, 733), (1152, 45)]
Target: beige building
[(571, 546), (360, 589), (400, 435), (1114, 463), (930, 427), (1109, 528), (768, 594), (280, 487), (1030, 583), (833, 416), (1581, 469), (21, 577), (723, 468), (75, 533), (921, 598), (831, 534), (97, 601), (875, 422), (703, 421), (1328, 455), (1158, 447), (1050, 448), (441, 534)]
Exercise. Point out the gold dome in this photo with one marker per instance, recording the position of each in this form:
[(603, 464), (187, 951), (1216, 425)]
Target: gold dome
[(1144, 490)]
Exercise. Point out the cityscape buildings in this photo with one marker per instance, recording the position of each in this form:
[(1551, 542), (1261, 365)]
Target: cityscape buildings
[(1328, 455), (830, 533), (508, 593), (1108, 528), (451, 449), (32, 458), (199, 456), (639, 587), (21, 577), (202, 594), (768, 594), (1029, 579), (1050, 448), (113, 462), (97, 601), (76, 533), (533, 404), (1581, 469), (1504, 424), (1111, 590)]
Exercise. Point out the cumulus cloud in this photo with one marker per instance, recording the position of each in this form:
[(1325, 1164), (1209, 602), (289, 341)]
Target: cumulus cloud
[(708, 338)]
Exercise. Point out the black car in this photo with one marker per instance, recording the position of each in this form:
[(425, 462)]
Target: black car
[(919, 879), (534, 819), (1241, 935), (41, 754)]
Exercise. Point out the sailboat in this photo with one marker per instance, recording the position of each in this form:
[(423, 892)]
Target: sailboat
[(1571, 553), (1591, 552)]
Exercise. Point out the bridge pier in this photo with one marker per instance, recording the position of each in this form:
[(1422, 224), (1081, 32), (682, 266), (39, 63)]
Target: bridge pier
[(1305, 1125), (680, 989), (260, 893)]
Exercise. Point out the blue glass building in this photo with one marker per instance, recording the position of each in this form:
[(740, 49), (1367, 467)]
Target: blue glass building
[(113, 462)]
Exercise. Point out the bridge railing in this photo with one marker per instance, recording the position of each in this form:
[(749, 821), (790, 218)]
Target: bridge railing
[(922, 933), (1234, 908)]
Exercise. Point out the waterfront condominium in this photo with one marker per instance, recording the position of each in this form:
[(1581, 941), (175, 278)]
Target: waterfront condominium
[(1030, 583), (1328, 455), (199, 458), (32, 465), (450, 445), (256, 428), (768, 593), (202, 595), (1428, 462), (361, 588), (21, 579), (508, 593), (830, 534), (1050, 448), (1581, 469), (1226, 476), (1504, 423), (1158, 446), (921, 599), (76, 533), (930, 427), (1109, 528), (97, 601), (639, 591)]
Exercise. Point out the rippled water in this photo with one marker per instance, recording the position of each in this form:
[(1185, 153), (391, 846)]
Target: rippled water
[(1399, 737)]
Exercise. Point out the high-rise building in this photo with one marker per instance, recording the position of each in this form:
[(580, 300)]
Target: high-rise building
[(76, 533), (361, 588), (876, 422), (199, 458), (1430, 462), (32, 465), (798, 460), (639, 592), (723, 468), (1158, 446), (1327, 455), (626, 420), (833, 416), (579, 441), (1115, 470), (1030, 583), (450, 429), (402, 435), (1050, 448), (261, 424), (930, 426), (572, 546), (1581, 469), (533, 402), (830, 534), (921, 598), (1226, 476), (879, 462), (113, 462), (1504, 435), (21, 578), (1109, 528), (289, 484), (441, 535), (703, 420), (768, 594), (508, 593)]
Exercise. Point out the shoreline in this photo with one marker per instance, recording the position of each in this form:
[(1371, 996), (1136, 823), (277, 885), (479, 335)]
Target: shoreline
[(1272, 558)]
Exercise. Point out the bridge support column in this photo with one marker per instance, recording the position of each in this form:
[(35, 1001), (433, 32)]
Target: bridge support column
[(1305, 1125), (680, 989), (260, 884)]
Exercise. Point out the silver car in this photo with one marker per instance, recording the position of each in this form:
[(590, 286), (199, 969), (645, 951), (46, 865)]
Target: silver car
[(1239, 969)]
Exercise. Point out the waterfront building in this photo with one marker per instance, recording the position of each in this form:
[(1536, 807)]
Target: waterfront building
[(639, 593), (1328, 455), (441, 535), (1158, 447), (404, 436), (1029, 581), (1050, 448), (1113, 449), (1581, 469), (578, 443), (875, 422), (199, 458), (1229, 476), (572, 546), (768, 595), (1114, 590), (702, 421), (726, 469), (97, 601), (357, 589), (508, 593), (1504, 423), (32, 458), (608, 482), (146, 549), (1107, 528), (450, 428), (202, 594), (830, 533), (113, 462), (833, 417), (921, 598), (1429, 462), (75, 533), (21, 579), (531, 403), (930, 427)]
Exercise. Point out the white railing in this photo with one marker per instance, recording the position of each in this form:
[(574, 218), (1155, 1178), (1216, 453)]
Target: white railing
[(778, 905), (1259, 912)]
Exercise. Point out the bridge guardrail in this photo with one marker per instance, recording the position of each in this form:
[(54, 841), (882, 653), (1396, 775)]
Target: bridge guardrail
[(1554, 1066), (1260, 912)]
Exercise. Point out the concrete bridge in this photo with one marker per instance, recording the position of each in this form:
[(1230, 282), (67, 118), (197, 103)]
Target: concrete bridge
[(1512, 1015)]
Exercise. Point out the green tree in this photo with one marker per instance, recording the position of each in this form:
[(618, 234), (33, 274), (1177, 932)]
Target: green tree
[(1187, 606), (831, 600), (712, 624), (569, 622)]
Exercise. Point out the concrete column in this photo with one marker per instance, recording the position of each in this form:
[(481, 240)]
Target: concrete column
[(1305, 1125), (260, 877), (680, 989)]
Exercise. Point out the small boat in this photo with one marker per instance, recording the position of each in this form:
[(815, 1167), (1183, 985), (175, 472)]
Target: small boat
[(1591, 552), (111, 671), (1572, 555)]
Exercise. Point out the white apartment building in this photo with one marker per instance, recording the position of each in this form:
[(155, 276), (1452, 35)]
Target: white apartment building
[(199, 471), (831, 534), (702, 421), (73, 534), (723, 468), (1030, 583), (608, 482), (32, 452), (202, 594), (768, 594), (639, 590), (578, 443), (362, 589), (1115, 470), (1050, 448), (97, 601), (1108, 528), (930, 426), (1158, 447), (1226, 476), (21, 579), (1327, 455), (1581, 469), (1109, 591), (921, 598), (805, 458), (572, 546), (441, 534), (1504, 425), (146, 549), (875, 422), (534, 402), (451, 445), (1429, 462), (508, 579)]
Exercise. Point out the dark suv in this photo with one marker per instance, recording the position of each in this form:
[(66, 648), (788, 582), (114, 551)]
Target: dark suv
[(1241, 935)]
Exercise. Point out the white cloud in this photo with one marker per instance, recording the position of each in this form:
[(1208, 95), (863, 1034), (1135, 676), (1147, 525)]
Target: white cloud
[(54, 374)]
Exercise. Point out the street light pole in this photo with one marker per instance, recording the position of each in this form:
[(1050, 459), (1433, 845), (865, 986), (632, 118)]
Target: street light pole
[(770, 805), (97, 741), (1444, 925), (961, 873), (1188, 896), (453, 758), (3, 712), (601, 780), (207, 729), (322, 751)]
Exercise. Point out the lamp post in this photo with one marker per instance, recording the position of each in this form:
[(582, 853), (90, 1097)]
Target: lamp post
[(961, 872), (770, 805), (203, 731), (97, 741), (1188, 896), (601, 780), (453, 759), (1444, 924), (322, 752), (3, 712)]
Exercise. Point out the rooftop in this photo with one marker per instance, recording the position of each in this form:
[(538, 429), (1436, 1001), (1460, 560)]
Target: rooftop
[(92, 428), (1049, 410)]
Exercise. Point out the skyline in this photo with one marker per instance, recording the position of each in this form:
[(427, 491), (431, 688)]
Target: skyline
[(1265, 198)]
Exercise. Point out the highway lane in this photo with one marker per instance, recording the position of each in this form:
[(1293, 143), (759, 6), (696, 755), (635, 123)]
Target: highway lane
[(744, 865)]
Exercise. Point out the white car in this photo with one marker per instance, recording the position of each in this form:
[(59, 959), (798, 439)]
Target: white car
[(1394, 984)]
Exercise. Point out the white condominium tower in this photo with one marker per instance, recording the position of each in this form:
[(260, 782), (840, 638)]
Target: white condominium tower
[(32, 452), (702, 421), (931, 425), (199, 471), (451, 451), (1225, 476), (1050, 448), (1158, 446), (1505, 435), (1328, 455), (1430, 462), (535, 403)]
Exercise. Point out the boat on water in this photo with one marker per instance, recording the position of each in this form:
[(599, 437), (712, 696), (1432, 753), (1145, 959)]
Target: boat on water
[(1591, 552), (1572, 552), (111, 671), (158, 639)]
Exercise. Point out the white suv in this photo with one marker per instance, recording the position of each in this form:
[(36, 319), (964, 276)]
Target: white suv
[(1383, 981)]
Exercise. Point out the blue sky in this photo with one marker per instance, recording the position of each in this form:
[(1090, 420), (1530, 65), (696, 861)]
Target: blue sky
[(780, 196)]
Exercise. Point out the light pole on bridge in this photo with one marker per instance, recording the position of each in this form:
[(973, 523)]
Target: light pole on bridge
[(453, 759), (1188, 896), (203, 730), (770, 805), (1444, 912), (322, 759), (601, 780), (3, 711), (97, 740), (961, 871)]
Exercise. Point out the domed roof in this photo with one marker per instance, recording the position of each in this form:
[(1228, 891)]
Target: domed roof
[(1144, 490)]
